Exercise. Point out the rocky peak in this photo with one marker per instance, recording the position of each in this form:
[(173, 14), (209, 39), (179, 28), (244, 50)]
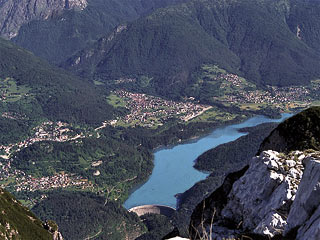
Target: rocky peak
[(15, 13), (259, 199), (279, 195)]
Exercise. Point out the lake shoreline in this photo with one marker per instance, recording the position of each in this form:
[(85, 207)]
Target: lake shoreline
[(197, 138)]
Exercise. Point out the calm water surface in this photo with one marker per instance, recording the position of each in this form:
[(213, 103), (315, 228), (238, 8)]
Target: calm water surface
[(173, 171)]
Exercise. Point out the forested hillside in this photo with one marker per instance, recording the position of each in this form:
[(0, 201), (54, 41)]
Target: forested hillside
[(137, 75), (267, 42), (304, 134), (85, 215), (49, 122), (48, 92), (61, 35)]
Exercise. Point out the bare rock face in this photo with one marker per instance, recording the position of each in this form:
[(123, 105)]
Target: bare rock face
[(279, 195), (258, 200), (305, 211), (310, 230), (15, 13)]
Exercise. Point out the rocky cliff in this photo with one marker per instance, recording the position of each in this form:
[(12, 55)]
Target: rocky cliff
[(15, 13), (277, 196)]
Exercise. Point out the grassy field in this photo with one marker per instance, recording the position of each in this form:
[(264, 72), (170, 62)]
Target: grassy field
[(98, 83), (214, 115), (10, 91), (116, 101)]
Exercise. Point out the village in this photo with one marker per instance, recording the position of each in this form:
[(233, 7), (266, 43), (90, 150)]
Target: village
[(24, 182), (271, 95), (61, 180), (47, 131), (150, 111)]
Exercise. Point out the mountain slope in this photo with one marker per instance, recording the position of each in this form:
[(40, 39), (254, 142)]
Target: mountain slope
[(257, 40), (13, 13), (81, 215), (17, 222), (58, 37), (51, 92)]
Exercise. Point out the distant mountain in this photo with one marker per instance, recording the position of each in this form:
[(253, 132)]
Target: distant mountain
[(267, 42), (43, 91), (18, 222), (15, 13), (57, 29)]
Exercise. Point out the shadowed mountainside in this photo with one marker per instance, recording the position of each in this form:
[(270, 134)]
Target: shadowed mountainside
[(268, 42)]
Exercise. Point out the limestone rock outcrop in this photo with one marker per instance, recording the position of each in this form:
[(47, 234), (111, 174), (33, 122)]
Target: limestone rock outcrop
[(305, 210), (258, 200), (279, 195), (15, 13)]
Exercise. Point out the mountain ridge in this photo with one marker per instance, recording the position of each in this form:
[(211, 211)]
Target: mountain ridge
[(258, 41), (58, 37), (13, 14), (54, 93)]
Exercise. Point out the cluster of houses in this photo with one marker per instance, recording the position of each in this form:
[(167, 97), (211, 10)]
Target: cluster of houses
[(151, 111), (13, 116), (6, 171), (232, 79), (47, 131), (61, 180), (125, 80), (271, 96)]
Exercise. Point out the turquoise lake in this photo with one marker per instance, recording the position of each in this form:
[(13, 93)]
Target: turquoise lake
[(173, 171)]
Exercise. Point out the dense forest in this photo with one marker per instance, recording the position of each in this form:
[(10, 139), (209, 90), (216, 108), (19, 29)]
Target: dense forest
[(234, 152), (305, 135), (57, 38), (82, 215), (53, 93), (252, 40)]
